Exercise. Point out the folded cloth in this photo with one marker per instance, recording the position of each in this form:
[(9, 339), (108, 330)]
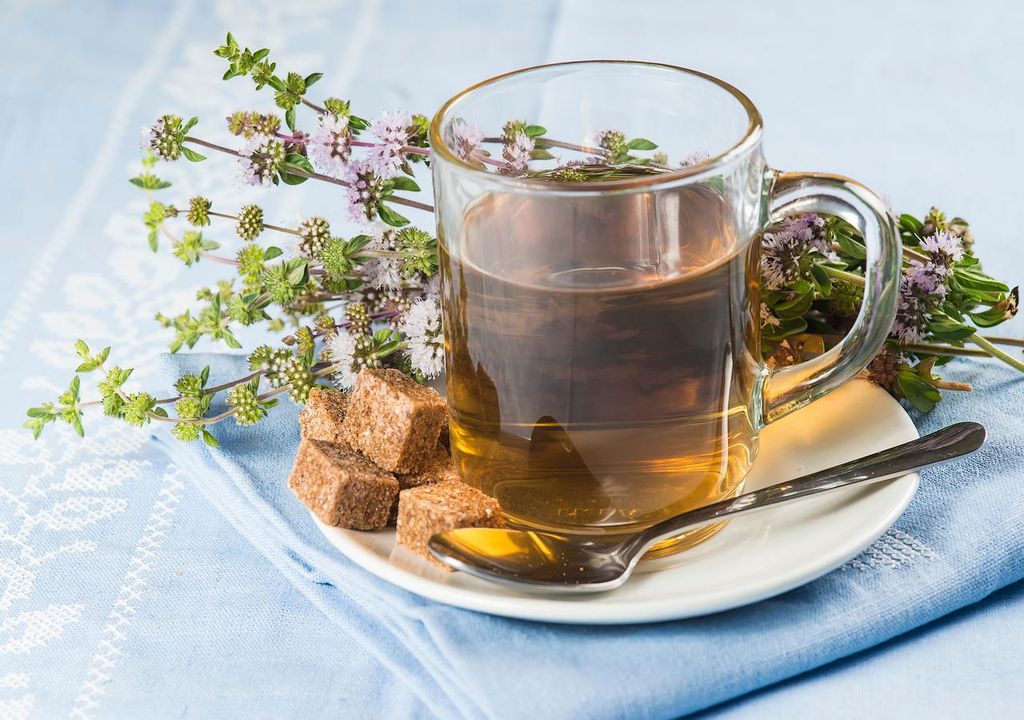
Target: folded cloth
[(960, 539)]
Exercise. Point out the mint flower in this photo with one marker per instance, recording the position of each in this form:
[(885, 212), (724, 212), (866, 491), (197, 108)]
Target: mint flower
[(295, 373), (419, 250), (164, 137), (250, 222), (383, 273), (392, 129), (783, 251), (944, 247), (780, 259), (357, 318), (314, 232), (424, 342), (260, 159), (464, 138), (137, 407), (278, 283), (244, 401), (516, 153), (199, 211), (922, 291), (330, 144), (613, 142), (250, 263), (248, 124), (809, 229), (364, 191), (343, 354), (185, 432)]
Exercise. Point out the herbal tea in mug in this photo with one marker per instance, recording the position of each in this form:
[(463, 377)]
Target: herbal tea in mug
[(602, 320)]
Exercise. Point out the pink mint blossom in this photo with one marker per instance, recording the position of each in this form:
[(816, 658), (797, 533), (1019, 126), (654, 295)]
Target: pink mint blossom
[(517, 154), (363, 191), (330, 145), (383, 273), (945, 248), (780, 259), (260, 159), (464, 138), (392, 129), (922, 290)]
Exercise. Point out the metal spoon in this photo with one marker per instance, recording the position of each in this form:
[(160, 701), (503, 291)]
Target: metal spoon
[(547, 562)]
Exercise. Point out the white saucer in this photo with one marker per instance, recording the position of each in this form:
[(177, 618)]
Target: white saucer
[(752, 558)]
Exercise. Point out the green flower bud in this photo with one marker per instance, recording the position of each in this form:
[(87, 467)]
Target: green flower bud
[(250, 222), (136, 408), (185, 432), (199, 211)]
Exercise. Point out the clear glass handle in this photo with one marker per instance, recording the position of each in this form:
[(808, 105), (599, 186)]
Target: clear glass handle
[(790, 387)]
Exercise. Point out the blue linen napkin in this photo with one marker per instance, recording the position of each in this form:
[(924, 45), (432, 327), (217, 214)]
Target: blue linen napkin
[(961, 539)]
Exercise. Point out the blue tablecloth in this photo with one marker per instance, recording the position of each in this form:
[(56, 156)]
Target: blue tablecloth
[(122, 594)]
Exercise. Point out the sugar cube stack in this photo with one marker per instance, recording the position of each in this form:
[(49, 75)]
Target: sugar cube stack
[(378, 455)]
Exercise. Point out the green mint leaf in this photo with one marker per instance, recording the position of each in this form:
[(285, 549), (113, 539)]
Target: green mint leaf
[(910, 223), (209, 439), (192, 155), (312, 78), (641, 144), (921, 394), (81, 348), (535, 130), (272, 252), (391, 217), (289, 117), (404, 183)]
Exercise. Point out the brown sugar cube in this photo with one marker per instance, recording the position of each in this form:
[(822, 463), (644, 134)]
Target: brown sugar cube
[(393, 420), (439, 468), (341, 487), (321, 418), (429, 509)]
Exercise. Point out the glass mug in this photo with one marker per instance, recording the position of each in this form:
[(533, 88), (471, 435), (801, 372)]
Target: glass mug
[(603, 338)]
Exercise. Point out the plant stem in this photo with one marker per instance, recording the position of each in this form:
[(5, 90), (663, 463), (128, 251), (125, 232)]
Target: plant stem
[(212, 146), (951, 385), (218, 258), (313, 105), (996, 352), (1015, 342), (936, 349), (849, 277)]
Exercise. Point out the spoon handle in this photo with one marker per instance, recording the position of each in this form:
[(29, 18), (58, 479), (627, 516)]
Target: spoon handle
[(945, 444)]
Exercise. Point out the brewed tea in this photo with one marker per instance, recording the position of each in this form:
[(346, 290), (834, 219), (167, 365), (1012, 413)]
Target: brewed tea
[(602, 357)]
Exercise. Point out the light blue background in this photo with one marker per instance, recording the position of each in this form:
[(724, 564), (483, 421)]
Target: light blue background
[(918, 100)]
